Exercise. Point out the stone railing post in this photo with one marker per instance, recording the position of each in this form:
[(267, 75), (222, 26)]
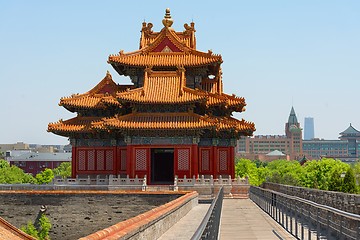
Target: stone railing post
[(127, 181), (211, 180), (238, 180), (202, 180), (230, 180), (193, 180), (111, 177), (176, 188), (88, 180), (143, 188), (220, 180)]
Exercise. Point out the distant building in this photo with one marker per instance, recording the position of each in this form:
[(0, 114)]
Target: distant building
[(34, 163), (309, 128), (346, 149), (14, 146), (265, 147)]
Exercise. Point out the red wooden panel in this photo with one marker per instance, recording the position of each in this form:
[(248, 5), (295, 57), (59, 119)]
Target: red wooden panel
[(91, 160), (205, 159), (223, 160), (81, 160), (109, 160), (140, 159), (123, 159), (183, 160), (100, 160)]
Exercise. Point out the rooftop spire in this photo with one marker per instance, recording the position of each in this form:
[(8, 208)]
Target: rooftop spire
[(167, 21), (292, 117)]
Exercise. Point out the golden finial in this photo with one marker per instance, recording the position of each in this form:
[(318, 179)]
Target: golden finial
[(167, 21)]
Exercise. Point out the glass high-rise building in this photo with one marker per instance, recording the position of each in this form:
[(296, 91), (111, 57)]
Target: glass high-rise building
[(309, 128)]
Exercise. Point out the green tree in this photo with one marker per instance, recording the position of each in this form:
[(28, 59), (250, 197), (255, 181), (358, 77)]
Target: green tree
[(285, 172), (13, 174), (336, 181), (64, 170), (319, 173), (30, 229), (45, 176), (44, 227), (247, 168), (356, 169), (349, 185)]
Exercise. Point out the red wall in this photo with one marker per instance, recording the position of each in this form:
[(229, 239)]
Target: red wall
[(135, 160)]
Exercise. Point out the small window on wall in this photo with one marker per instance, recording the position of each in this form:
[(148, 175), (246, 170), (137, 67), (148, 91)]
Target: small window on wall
[(223, 160), (205, 160), (183, 159)]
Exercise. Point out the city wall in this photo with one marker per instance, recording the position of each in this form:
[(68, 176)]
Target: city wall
[(343, 201), (75, 214)]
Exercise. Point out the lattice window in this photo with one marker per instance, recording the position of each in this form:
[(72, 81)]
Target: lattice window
[(109, 159), (91, 159), (205, 160), (81, 160), (223, 162), (122, 159), (183, 159), (100, 159), (140, 160)]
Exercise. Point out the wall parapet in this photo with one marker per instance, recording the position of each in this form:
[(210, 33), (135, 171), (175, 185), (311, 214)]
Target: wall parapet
[(342, 201), (151, 224)]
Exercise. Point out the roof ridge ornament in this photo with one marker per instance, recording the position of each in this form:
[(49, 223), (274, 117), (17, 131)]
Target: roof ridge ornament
[(167, 21)]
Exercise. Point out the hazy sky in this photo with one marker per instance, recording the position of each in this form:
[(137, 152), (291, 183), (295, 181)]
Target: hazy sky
[(276, 54)]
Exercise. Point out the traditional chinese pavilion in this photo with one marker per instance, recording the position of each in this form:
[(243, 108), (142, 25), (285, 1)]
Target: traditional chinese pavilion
[(173, 120)]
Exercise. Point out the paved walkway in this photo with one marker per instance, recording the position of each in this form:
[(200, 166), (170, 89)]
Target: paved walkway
[(186, 227), (243, 219)]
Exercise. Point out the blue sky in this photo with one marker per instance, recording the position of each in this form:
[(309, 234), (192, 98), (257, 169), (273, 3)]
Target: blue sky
[(276, 54)]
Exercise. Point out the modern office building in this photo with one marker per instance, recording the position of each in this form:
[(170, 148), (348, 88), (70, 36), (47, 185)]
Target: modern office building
[(309, 128), (347, 148), (263, 147)]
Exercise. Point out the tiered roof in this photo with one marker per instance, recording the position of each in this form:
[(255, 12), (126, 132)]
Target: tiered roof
[(101, 96), (154, 121), (163, 59), (165, 87)]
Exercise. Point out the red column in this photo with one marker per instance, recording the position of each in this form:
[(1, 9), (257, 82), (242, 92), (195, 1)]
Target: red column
[(215, 161), (129, 163), (232, 162), (195, 160), (73, 162), (115, 161)]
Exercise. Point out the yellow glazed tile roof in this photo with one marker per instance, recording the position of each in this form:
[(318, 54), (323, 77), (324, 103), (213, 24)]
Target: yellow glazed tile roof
[(165, 59), (77, 124), (146, 56), (101, 95), (151, 121), (158, 121), (229, 123), (161, 90)]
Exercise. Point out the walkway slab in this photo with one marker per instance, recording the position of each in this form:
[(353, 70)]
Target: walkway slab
[(186, 227), (243, 219)]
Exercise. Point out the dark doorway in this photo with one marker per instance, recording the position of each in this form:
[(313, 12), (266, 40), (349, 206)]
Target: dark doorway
[(162, 166)]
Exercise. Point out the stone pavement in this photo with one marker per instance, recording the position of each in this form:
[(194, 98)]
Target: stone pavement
[(186, 227), (243, 219)]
